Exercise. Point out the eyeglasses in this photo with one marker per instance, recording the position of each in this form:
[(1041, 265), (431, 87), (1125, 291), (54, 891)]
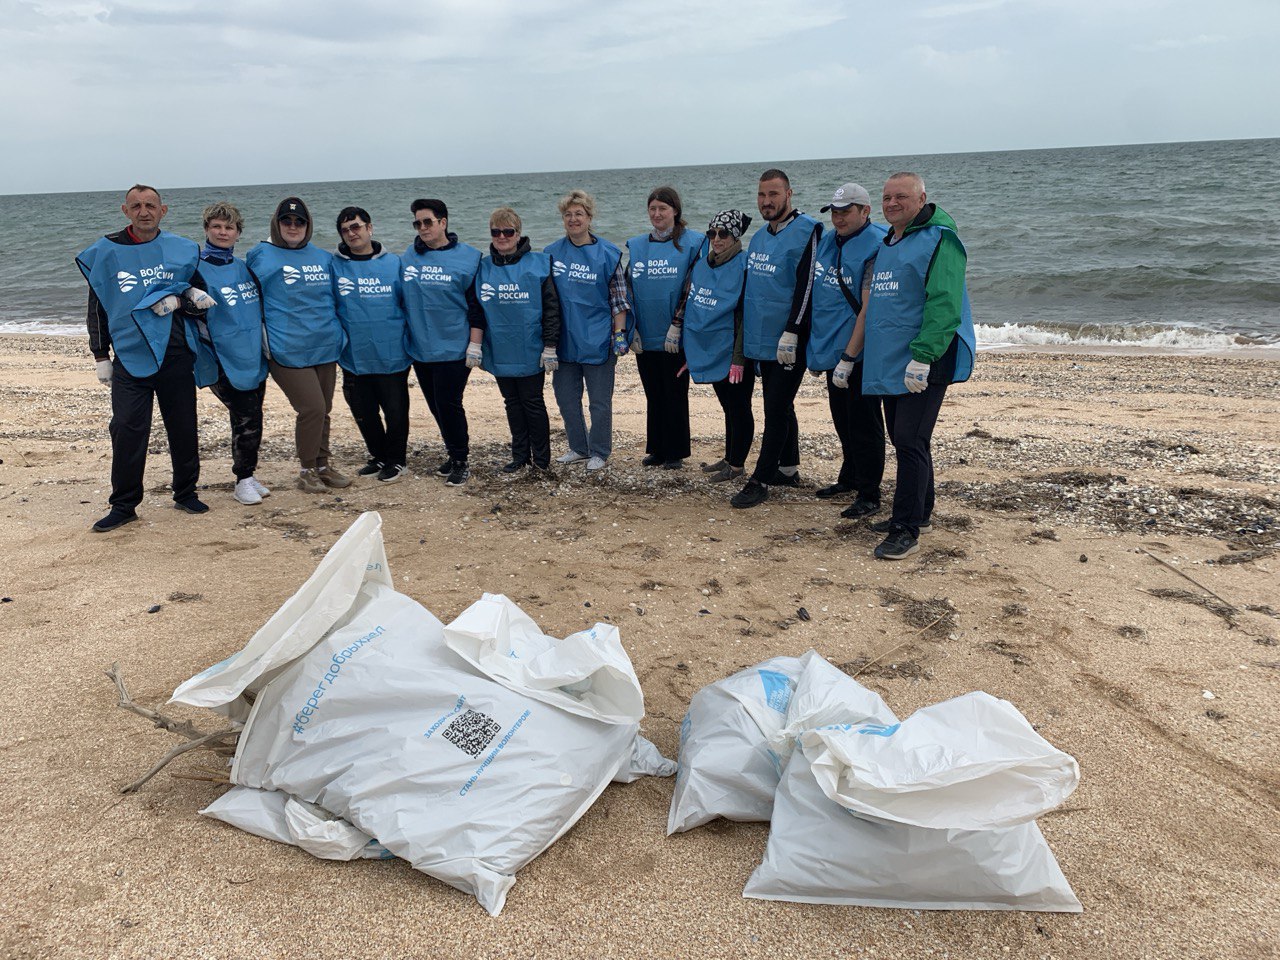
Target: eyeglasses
[(502, 231), (425, 223), (292, 222), (355, 226), (719, 233)]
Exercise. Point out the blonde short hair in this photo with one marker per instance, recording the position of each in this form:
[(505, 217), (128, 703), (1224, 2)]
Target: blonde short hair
[(578, 198), (506, 217), (223, 211)]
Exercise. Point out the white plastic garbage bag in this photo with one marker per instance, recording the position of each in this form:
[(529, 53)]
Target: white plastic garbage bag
[(970, 763), (819, 852), (277, 816), (724, 769), (466, 756)]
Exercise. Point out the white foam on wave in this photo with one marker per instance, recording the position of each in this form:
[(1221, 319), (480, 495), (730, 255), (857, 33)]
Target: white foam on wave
[(995, 336), (46, 326)]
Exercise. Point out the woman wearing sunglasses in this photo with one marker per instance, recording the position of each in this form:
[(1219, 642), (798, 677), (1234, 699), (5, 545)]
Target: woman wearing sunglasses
[(303, 335), (710, 326), (522, 331), (592, 287), (660, 262)]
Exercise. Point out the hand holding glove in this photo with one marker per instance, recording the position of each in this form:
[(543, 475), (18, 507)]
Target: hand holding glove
[(840, 375), (162, 308), (736, 370), (103, 370), (917, 376), (199, 299), (787, 349), (474, 355), (620, 343), (549, 359), (672, 344)]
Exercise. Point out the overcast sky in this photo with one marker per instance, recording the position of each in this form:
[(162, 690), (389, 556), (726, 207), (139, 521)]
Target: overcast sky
[(101, 93)]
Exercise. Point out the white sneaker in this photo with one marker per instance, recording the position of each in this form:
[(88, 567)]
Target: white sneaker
[(596, 463), (261, 487), (571, 457), (246, 492)]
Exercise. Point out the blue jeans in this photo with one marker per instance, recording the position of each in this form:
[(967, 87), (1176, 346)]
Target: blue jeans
[(567, 383)]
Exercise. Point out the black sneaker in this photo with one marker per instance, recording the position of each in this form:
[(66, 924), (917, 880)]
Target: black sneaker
[(445, 468), (458, 475), (883, 526), (370, 468), (826, 493), (752, 494), (652, 460), (191, 505), (727, 473), (781, 479), (114, 520), (862, 508), (673, 465), (392, 474), (515, 466), (898, 545), (714, 467)]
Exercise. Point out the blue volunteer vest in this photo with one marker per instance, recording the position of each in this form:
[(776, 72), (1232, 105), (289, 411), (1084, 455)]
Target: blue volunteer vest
[(771, 283), (435, 287), (581, 275), (371, 311), (708, 317), (657, 271), (833, 316), (896, 312), (298, 303), (127, 279), (235, 328), (511, 297)]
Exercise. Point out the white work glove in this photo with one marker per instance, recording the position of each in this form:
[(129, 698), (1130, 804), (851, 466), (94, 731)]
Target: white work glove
[(840, 375), (673, 339), (787, 349), (199, 299), (917, 376), (103, 369), (549, 360), (637, 346), (162, 308), (474, 355)]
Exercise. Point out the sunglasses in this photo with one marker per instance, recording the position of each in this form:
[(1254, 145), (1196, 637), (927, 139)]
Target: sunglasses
[(424, 223), (355, 226), (292, 222), (719, 233), (502, 231)]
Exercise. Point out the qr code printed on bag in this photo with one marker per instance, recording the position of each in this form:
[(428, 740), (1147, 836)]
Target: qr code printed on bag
[(472, 732)]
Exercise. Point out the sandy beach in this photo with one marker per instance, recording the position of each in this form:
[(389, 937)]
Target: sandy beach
[(1105, 557)]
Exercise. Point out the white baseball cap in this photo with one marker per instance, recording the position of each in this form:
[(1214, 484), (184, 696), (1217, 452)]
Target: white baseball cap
[(847, 196)]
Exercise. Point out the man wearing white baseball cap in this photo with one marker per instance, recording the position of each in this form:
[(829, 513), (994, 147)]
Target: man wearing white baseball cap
[(842, 280)]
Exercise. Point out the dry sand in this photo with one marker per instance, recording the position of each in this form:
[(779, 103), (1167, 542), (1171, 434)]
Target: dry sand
[(1063, 480)]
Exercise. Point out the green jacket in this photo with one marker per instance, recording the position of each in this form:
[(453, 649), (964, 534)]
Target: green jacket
[(943, 287)]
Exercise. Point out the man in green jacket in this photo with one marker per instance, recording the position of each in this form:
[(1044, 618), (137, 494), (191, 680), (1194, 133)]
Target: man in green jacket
[(919, 339)]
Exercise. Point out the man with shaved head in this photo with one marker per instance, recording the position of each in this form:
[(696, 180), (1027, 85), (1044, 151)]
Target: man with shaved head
[(919, 339)]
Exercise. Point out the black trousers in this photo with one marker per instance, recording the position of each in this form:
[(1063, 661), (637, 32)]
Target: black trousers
[(739, 419), (380, 404), (173, 387), (442, 385), (245, 409), (780, 444), (859, 424), (527, 418), (667, 404), (910, 420)]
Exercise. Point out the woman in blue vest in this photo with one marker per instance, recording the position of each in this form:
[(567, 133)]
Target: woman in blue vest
[(374, 361), (304, 337), (522, 332), (660, 262), (710, 321), (591, 284), (229, 356)]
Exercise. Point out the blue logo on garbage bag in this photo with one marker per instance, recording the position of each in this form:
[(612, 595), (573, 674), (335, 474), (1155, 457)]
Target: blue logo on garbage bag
[(878, 730), (777, 689)]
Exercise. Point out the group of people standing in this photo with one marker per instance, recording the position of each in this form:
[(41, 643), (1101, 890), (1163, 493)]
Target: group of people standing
[(881, 312)]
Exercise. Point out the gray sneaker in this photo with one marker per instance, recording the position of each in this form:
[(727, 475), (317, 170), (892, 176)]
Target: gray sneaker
[(309, 482), (573, 456), (596, 463), (332, 478)]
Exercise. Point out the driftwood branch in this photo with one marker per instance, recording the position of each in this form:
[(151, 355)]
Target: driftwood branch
[(901, 645), (1190, 579)]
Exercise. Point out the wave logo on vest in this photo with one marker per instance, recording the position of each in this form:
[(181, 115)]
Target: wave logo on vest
[(758, 262), (487, 292), (558, 268), (410, 273), (229, 296), (291, 275), (637, 270), (126, 280), (345, 287)]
